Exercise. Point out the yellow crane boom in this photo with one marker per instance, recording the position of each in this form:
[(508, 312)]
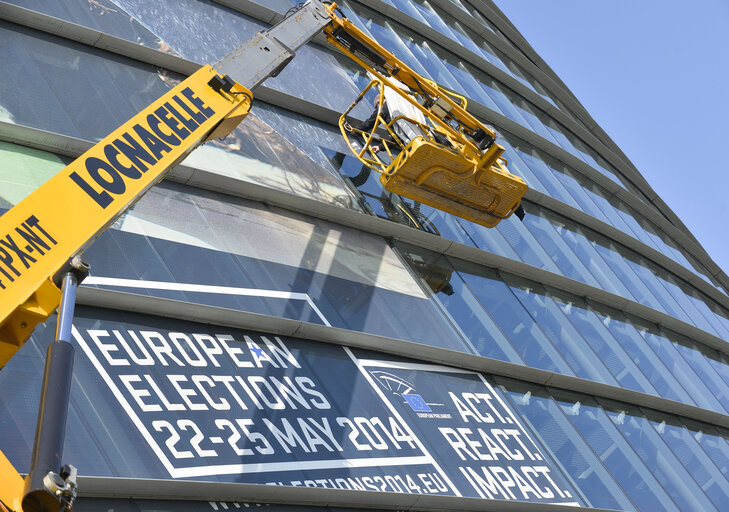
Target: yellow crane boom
[(454, 165), (63, 216)]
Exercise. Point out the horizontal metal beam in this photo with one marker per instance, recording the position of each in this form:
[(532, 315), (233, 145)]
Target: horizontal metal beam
[(211, 181), (137, 488), (145, 304)]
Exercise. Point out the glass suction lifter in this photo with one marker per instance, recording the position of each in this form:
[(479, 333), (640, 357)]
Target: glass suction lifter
[(48, 486)]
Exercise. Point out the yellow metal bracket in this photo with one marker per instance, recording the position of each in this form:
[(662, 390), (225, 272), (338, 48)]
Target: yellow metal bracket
[(11, 485), (454, 165)]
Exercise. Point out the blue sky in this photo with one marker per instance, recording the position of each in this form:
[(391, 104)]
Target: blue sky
[(654, 74)]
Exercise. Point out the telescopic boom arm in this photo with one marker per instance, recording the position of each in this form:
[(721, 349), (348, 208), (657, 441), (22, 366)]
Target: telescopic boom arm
[(42, 238)]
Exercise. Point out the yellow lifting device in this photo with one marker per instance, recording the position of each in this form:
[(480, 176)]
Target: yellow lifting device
[(431, 149), (437, 154)]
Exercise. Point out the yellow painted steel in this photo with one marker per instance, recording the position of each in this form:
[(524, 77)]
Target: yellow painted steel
[(445, 168), (11, 485), (62, 217), (431, 174)]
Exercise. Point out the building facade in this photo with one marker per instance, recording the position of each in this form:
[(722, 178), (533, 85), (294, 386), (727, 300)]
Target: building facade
[(269, 315)]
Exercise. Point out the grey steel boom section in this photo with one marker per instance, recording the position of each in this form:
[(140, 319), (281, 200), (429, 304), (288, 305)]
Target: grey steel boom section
[(268, 52)]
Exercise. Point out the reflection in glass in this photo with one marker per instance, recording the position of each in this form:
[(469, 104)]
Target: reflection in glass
[(642, 355), (462, 306), (575, 456), (568, 341), (653, 451), (514, 321), (619, 458), (697, 464)]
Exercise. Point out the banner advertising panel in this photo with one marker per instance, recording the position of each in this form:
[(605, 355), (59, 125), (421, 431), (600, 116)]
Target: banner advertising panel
[(193, 401)]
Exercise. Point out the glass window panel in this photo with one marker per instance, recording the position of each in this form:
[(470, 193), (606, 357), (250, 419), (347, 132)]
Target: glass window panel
[(526, 336), (459, 31), (317, 76), (720, 362), (696, 265), (556, 130), (719, 318), (488, 52), (524, 243), (529, 155), (434, 64), (560, 331), (655, 234), (556, 247), (89, 109), (617, 263), (608, 170), (697, 356), (305, 133), (544, 93), (607, 348), (627, 215), (574, 183), (463, 307), (382, 31), (484, 97), (500, 98), (583, 150), (432, 18), (527, 112), (701, 303), (653, 451), (469, 84), (578, 241), (489, 239), (516, 71), (407, 7), (599, 195), (199, 31), (714, 441), (722, 317), (565, 444), (450, 226), (518, 167), (641, 354), (677, 365), (619, 458), (651, 281), (102, 15), (695, 316)]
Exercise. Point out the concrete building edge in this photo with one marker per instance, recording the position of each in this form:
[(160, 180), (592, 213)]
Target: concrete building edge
[(492, 12)]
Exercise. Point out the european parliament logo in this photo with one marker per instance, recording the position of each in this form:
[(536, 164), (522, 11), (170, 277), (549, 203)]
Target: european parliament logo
[(416, 402)]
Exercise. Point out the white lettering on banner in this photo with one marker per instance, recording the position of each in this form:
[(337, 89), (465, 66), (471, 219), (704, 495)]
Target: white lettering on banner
[(498, 458), (202, 415), (496, 444), (185, 350), (217, 392), (419, 483), (247, 404)]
